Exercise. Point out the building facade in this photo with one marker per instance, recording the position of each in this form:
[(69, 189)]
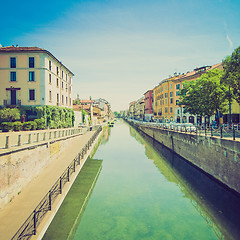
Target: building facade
[(31, 76)]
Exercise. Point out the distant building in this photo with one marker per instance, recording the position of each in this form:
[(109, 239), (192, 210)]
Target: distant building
[(31, 76), (148, 108)]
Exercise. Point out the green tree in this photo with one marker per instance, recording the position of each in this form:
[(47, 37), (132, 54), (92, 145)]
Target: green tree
[(9, 114), (231, 75), (206, 96)]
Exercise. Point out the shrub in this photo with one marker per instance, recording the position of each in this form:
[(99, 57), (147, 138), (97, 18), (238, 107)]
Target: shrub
[(33, 125), (9, 114), (40, 123), (17, 126), (6, 126), (27, 126)]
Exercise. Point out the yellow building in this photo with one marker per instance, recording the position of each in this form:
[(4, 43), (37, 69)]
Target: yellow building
[(31, 76), (164, 100)]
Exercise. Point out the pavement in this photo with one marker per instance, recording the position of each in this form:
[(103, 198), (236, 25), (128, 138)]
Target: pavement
[(14, 214)]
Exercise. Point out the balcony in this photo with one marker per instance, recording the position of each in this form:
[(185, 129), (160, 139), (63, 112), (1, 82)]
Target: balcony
[(8, 103)]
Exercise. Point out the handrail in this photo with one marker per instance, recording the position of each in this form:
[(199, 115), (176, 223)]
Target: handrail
[(221, 132), (29, 227)]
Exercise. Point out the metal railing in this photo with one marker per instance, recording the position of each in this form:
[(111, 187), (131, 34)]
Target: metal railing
[(29, 227), (221, 132)]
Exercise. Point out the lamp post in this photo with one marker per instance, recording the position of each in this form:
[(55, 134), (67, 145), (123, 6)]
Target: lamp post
[(230, 109)]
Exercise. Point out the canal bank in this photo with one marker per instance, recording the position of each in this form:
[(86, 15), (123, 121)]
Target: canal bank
[(144, 191), (68, 216), (219, 158), (18, 210)]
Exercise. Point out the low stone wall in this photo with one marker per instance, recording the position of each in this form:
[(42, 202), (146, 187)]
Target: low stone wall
[(19, 166), (218, 157)]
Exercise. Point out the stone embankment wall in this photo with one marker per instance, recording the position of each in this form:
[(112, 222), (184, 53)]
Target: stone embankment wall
[(218, 157), (18, 168)]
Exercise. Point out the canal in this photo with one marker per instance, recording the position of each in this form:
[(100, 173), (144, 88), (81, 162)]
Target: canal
[(144, 191)]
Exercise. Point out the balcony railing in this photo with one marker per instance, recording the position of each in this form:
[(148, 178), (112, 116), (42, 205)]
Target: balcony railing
[(8, 103)]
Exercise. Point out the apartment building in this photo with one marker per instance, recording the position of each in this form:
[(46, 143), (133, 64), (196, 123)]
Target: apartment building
[(166, 96), (31, 76)]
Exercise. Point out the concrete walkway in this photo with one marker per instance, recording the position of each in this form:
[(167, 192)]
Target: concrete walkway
[(16, 212)]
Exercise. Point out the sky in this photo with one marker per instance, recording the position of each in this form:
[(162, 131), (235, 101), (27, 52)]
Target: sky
[(119, 49)]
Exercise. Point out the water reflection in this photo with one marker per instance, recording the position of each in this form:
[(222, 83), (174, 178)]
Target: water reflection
[(216, 204)]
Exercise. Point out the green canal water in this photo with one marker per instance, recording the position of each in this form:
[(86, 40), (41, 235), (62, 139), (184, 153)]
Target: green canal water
[(144, 191)]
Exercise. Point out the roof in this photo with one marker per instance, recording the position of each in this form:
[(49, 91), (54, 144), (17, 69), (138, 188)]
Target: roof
[(11, 49)]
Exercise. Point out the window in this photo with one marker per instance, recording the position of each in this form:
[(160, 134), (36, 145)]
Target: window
[(171, 109), (66, 88), (62, 74), (57, 82), (50, 65), (13, 76), (31, 76), (57, 98), (177, 101), (31, 94), (171, 94), (166, 95), (12, 62), (62, 99), (165, 87), (31, 62), (165, 100), (57, 71), (177, 93), (171, 86), (178, 112), (70, 80), (178, 86), (166, 110), (50, 96), (66, 77), (66, 100), (50, 78), (171, 100), (62, 84)]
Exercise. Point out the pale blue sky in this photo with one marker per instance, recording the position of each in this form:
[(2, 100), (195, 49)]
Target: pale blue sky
[(119, 49)]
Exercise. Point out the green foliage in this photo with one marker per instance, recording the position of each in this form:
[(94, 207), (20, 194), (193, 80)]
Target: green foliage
[(9, 114), (6, 126), (231, 75), (76, 102), (17, 126), (27, 126), (205, 96), (40, 123), (58, 117)]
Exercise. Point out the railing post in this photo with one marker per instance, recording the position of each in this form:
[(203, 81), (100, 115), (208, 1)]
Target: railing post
[(29, 138), (44, 136), (74, 162), (233, 133), (37, 137), (205, 130), (60, 185), (7, 142), (19, 140), (34, 222), (68, 175), (211, 132), (221, 131), (49, 201)]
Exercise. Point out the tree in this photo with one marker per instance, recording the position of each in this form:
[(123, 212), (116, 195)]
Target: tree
[(231, 75), (9, 114), (206, 96)]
